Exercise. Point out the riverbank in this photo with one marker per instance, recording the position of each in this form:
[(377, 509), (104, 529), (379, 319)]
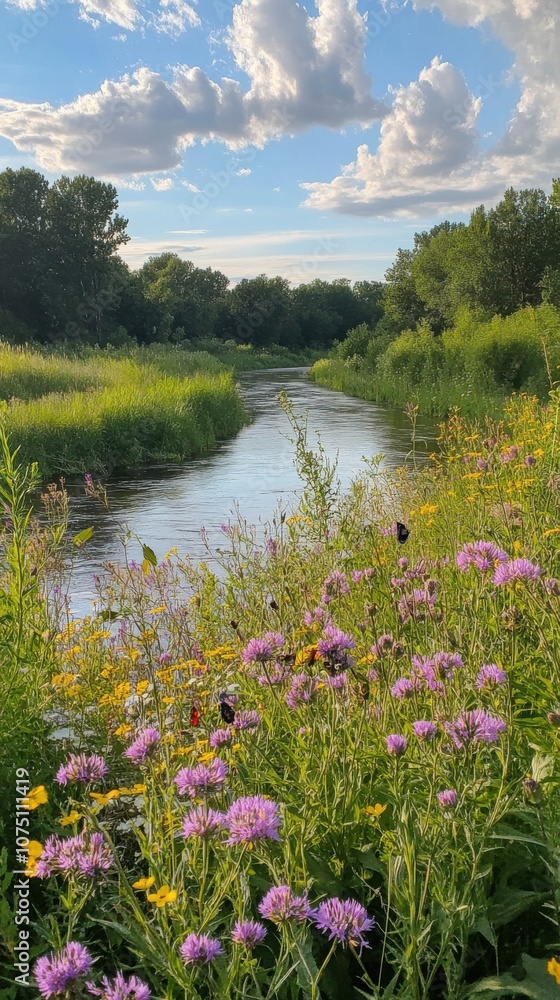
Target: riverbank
[(100, 413), (384, 700), (474, 366)]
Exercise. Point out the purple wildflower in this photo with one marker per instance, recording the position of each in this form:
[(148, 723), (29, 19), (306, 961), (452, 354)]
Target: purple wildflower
[(346, 920), (54, 974), (143, 747), (482, 464), (448, 798), (404, 687), (247, 720), (220, 738), (200, 822), (490, 675), (249, 933), (335, 646), (530, 460), (358, 575), (279, 674), (336, 585), (338, 681), (164, 659), (301, 690), (120, 988), (516, 569), (551, 587), (482, 555), (80, 767), (96, 856), (419, 604), (391, 530), (403, 562), (280, 904), (252, 818), (475, 727), (424, 730), (315, 617), (437, 668), (396, 745), (271, 546), (202, 779), (84, 854), (372, 675), (200, 948), (261, 650)]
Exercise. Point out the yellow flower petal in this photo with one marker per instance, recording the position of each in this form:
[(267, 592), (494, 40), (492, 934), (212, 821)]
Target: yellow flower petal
[(72, 817), (37, 797), (144, 883), (34, 849)]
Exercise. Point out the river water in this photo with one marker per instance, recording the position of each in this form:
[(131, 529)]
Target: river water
[(169, 505)]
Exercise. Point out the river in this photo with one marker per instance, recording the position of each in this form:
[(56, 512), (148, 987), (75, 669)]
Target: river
[(169, 505)]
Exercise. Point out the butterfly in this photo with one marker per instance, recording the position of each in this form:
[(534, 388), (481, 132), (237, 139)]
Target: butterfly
[(288, 659), (195, 716), (402, 532), (227, 712)]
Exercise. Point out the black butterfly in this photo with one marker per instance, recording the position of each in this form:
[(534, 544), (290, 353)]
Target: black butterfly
[(402, 532), (288, 659), (227, 712)]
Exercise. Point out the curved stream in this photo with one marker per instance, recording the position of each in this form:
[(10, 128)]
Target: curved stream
[(168, 505)]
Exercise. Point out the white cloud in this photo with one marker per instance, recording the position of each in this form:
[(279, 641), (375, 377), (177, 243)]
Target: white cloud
[(162, 183), (190, 187), (174, 17), (303, 71), (244, 172), (429, 158)]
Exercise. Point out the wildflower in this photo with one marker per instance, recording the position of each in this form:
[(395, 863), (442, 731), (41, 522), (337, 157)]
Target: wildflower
[(447, 799), (424, 730), (553, 969), (200, 822), (96, 856), (516, 569), (72, 817), (201, 779), (278, 676), (475, 727), (271, 546), (396, 745), (358, 575), (247, 720), (345, 920), (375, 811), (530, 460), (386, 645), (404, 687), (161, 897), (142, 748), (551, 587), (261, 650), (55, 974), (252, 818), (402, 562), (35, 798), (490, 675), (315, 617), (336, 585), (120, 988), (249, 933), (482, 464), (220, 738), (280, 904), (144, 883), (482, 555), (437, 668), (334, 648), (200, 948), (337, 682), (418, 604), (300, 691), (84, 854), (82, 768)]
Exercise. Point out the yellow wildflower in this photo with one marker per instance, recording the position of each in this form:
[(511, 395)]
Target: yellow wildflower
[(205, 757), (31, 868), (71, 818), (375, 811), (37, 797), (553, 969), (162, 896), (142, 687), (158, 610), (101, 800), (137, 789), (144, 883), (34, 849), (552, 531), (122, 730)]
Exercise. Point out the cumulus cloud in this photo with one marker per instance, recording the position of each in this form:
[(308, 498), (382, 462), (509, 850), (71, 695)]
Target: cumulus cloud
[(162, 183), (172, 17), (304, 70), (428, 158), (244, 172)]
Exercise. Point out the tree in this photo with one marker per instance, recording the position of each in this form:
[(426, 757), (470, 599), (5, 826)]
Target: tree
[(188, 296), (262, 312)]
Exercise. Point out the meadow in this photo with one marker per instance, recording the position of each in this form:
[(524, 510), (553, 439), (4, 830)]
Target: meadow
[(475, 364), (328, 769), (99, 412)]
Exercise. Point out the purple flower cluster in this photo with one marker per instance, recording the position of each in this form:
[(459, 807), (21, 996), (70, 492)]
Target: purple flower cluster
[(247, 720), (202, 779), (252, 818), (315, 617), (248, 933), (220, 738), (405, 687), (143, 746), (200, 949), (447, 799), (516, 570), (396, 745), (120, 988), (419, 604), (200, 822), (510, 455), (435, 669), (80, 767), (334, 648), (278, 675), (387, 646), (490, 675), (280, 904), (475, 727), (424, 729), (84, 854), (300, 691), (261, 650), (55, 974), (482, 555), (337, 682), (358, 575), (344, 920), (336, 585)]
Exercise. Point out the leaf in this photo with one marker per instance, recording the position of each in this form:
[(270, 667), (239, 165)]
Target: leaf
[(511, 904), (109, 616), (149, 555), (82, 537), (538, 984)]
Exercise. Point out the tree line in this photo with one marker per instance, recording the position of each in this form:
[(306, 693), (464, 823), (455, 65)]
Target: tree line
[(62, 281)]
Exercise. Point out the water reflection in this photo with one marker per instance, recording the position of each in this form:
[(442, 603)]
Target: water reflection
[(167, 506)]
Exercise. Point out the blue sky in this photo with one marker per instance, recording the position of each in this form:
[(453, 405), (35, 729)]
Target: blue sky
[(312, 140)]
